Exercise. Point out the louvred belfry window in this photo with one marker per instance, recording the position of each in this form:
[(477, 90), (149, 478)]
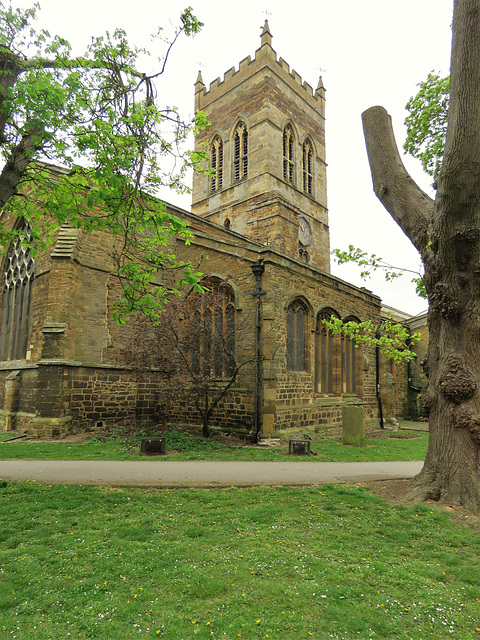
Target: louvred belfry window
[(17, 290), (216, 164), (308, 167), (288, 162), (240, 149)]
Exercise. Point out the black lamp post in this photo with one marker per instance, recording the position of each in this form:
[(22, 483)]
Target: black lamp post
[(257, 268)]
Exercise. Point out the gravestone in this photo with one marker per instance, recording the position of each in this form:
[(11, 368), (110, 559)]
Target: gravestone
[(353, 426)]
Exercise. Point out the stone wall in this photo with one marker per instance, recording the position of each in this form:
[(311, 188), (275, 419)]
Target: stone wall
[(78, 377)]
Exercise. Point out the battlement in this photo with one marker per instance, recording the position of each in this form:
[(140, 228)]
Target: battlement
[(264, 56)]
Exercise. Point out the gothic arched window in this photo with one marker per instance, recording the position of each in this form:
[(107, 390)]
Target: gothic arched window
[(216, 163), (328, 357), (350, 360), (213, 331), (308, 167), (297, 336), (17, 290), (288, 155), (240, 151), (303, 254)]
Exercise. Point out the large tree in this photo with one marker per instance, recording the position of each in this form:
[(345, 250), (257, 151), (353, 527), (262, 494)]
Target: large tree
[(97, 116), (446, 232)]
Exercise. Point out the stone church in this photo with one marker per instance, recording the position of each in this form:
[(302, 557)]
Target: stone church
[(260, 222)]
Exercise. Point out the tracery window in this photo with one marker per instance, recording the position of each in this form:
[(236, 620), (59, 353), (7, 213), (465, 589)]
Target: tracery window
[(350, 357), (216, 163), (297, 340), (240, 151), (213, 342), (308, 167), (17, 290), (328, 356), (288, 153)]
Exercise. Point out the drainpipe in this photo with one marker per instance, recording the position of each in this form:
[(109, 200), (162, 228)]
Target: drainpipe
[(411, 386), (409, 372), (257, 268), (377, 375)]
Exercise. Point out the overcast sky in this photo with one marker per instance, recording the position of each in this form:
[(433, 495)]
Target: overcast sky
[(369, 52)]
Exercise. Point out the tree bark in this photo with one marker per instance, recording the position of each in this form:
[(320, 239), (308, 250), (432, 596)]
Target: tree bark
[(9, 72), (14, 170), (23, 153), (447, 234)]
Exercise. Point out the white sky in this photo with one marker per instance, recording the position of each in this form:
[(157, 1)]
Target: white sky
[(368, 52)]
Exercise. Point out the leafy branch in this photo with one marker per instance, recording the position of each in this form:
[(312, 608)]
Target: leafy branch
[(427, 123), (371, 262), (96, 116), (393, 339)]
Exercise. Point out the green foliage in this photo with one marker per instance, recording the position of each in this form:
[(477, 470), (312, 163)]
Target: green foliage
[(427, 123), (372, 262), (96, 116), (287, 563), (191, 24), (393, 339)]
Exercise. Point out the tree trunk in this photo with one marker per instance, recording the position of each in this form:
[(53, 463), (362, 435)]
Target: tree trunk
[(9, 72), (206, 415), (20, 155), (205, 427), (447, 235), (14, 170)]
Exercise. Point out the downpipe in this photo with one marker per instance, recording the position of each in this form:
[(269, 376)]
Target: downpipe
[(378, 333)]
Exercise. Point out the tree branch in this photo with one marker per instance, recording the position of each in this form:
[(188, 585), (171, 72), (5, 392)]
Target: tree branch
[(14, 169), (408, 205), (462, 149), (9, 71)]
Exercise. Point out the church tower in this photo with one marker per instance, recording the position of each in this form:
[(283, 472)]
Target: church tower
[(266, 148)]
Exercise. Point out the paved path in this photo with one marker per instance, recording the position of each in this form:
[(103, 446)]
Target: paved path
[(202, 474)]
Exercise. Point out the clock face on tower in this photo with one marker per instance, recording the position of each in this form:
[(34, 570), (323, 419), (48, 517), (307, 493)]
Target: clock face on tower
[(304, 231)]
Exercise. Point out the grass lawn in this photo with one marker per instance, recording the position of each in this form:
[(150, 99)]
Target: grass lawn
[(184, 446), (265, 562)]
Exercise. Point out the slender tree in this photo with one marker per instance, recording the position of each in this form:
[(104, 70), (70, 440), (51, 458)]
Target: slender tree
[(197, 350), (446, 232), (97, 116)]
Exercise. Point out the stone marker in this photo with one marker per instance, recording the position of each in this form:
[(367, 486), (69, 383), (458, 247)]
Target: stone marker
[(299, 447), (353, 426), (153, 447)]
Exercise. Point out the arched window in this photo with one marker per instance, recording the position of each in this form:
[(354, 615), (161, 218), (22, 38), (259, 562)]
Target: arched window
[(216, 164), (17, 290), (303, 254), (213, 332), (328, 357), (240, 150), (297, 332), (288, 155), (350, 361), (308, 167)]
